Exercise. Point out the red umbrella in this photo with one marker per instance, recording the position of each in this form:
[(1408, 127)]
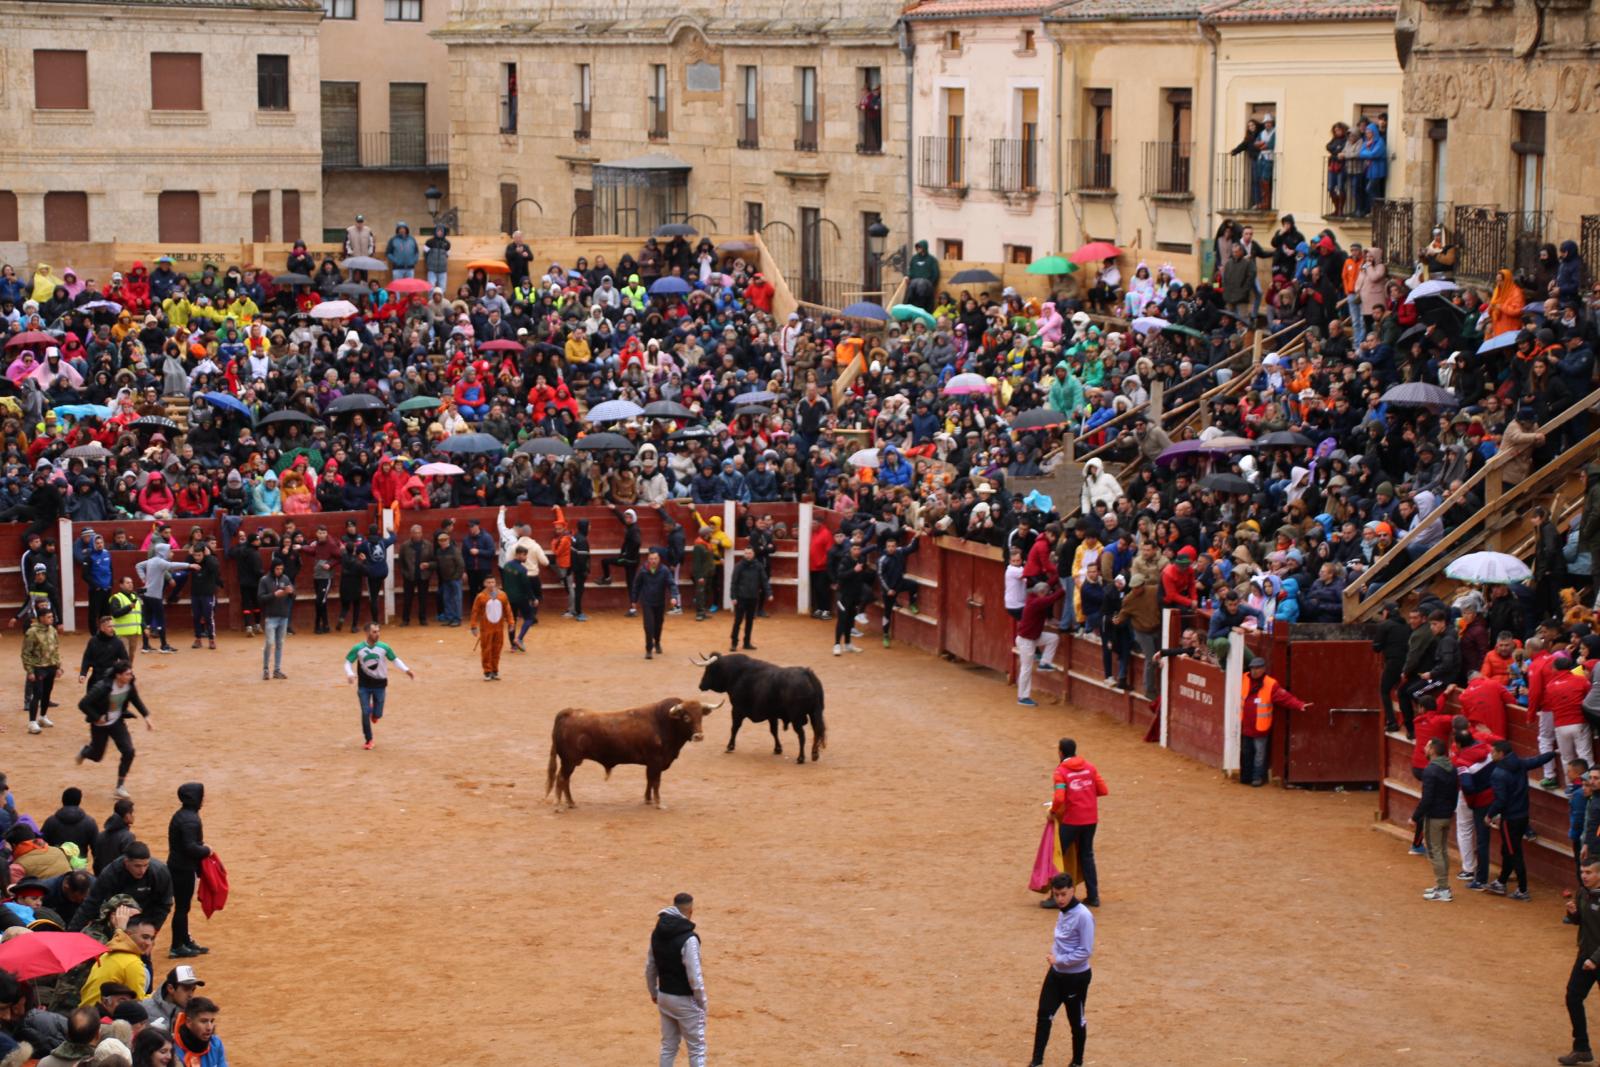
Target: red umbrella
[(410, 285), (32, 337), (1095, 251), (47, 952), (500, 346)]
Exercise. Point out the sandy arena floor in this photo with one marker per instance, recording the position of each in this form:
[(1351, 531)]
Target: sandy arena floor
[(421, 903)]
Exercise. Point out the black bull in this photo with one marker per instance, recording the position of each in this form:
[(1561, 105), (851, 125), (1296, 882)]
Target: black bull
[(765, 692)]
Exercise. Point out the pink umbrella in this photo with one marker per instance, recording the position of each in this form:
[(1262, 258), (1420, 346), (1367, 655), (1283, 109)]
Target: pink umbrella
[(47, 952), (500, 346), (410, 285), (1094, 252), (967, 385)]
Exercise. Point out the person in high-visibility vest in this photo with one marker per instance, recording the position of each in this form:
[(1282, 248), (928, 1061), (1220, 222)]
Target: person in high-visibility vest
[(127, 613), (1260, 696)]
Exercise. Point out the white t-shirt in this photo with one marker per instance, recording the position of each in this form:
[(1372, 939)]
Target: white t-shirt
[(1016, 588)]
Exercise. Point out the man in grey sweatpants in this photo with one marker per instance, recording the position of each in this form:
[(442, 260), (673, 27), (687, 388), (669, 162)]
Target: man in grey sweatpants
[(673, 979)]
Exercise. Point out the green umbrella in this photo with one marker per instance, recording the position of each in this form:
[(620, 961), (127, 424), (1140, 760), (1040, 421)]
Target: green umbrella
[(1052, 265), (903, 312), (418, 403), (313, 456), (1187, 331)]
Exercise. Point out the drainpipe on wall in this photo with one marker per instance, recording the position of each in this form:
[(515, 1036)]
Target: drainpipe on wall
[(908, 50), (1210, 35), (1059, 178)]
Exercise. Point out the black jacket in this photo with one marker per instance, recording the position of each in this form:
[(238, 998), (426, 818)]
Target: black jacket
[(1439, 789), (206, 580), (97, 701), (1447, 660), (1391, 641), (653, 588), (100, 653), (1509, 780), (110, 841), (153, 892), (185, 834), (70, 824), (750, 581)]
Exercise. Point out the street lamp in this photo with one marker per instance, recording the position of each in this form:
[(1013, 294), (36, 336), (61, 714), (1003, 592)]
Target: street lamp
[(877, 237), (450, 219)]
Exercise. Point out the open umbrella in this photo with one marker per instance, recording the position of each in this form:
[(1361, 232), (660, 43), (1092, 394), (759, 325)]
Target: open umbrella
[(287, 415), (1038, 419), (363, 263), (604, 442), (675, 229), (101, 305), (1095, 251), (82, 411), (615, 411), (1437, 309), (975, 276), (500, 346), (92, 450), (154, 423), (545, 446), (46, 952), (669, 286), (1226, 443), (31, 337), (1420, 395), (865, 310), (755, 396), (344, 405), (691, 433), (1488, 568), (409, 286), (1499, 341), (228, 403), (1187, 331), (967, 385), (418, 403), (905, 312), (334, 309), (428, 470), (1284, 439), (293, 278), (351, 289), (735, 248), (1226, 483), (1430, 287), (752, 409), (667, 409), (867, 457), (1052, 265), (470, 444), (1148, 324), (1415, 331), (489, 266)]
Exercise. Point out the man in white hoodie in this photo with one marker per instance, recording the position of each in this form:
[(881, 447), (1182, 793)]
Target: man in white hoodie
[(154, 572)]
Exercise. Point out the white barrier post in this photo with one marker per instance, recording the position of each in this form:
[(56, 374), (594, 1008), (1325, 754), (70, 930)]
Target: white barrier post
[(802, 584), (69, 578), (731, 556), (1166, 673), (1233, 693), (388, 529)]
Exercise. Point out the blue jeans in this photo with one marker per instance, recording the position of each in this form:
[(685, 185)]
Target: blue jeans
[(1358, 325), (1253, 759), (371, 707), (273, 630), (438, 279), (450, 600), (402, 272)]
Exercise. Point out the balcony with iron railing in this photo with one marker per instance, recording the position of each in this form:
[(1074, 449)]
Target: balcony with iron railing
[(1089, 167), (1167, 172), (1014, 165), (385, 150), (656, 113), (942, 163), (582, 121), (1247, 186), (869, 133), (805, 127), (747, 126), (1401, 229)]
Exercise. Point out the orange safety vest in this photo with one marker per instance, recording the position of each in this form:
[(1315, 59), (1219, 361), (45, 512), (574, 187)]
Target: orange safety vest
[(1263, 702)]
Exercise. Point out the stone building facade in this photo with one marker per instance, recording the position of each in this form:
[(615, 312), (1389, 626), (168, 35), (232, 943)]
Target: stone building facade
[(788, 119), (1502, 118), (158, 120)]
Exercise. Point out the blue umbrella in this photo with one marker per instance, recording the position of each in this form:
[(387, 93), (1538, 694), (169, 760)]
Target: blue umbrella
[(1499, 341), (759, 396), (80, 411), (866, 310), (223, 400), (615, 411), (669, 286)]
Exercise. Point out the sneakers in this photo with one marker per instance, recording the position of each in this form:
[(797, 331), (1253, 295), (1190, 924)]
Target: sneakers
[(581, 617), (1027, 702), (264, 675), (44, 720), (885, 640), (280, 675), (488, 677), (853, 648), (368, 745), (121, 793), (1521, 894), (80, 757), (837, 649), (1418, 850), (196, 643), (1547, 783), (182, 952), (1047, 668), (856, 632), (1435, 893), (674, 611), (633, 613), (1577, 1055), (1477, 887), (861, 618), (1466, 876), (35, 728), (166, 650), (1498, 888)]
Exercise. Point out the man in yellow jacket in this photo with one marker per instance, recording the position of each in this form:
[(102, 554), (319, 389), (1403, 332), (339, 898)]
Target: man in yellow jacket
[(121, 962)]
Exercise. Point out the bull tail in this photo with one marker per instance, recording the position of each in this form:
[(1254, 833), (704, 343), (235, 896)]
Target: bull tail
[(819, 727), (555, 730)]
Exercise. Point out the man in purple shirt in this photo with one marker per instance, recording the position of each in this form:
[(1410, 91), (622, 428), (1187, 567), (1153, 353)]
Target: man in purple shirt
[(1067, 980)]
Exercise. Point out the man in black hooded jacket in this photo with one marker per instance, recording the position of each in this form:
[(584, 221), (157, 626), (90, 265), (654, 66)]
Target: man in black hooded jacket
[(186, 847), (71, 823)]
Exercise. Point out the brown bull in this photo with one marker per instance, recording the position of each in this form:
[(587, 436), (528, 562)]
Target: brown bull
[(651, 736)]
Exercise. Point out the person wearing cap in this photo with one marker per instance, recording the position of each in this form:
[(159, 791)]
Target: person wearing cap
[(922, 275), (480, 553), (449, 564), (1261, 696), (41, 660), (177, 989), (627, 556)]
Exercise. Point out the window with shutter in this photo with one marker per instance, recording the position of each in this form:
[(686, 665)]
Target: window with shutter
[(66, 216), (60, 80), (8, 216), (178, 217), (261, 215), (341, 123), (291, 214), (408, 124), (175, 82), (272, 83)]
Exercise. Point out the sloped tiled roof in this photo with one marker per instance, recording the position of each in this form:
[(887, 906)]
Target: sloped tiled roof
[(1126, 10), (944, 9), (247, 5), (1298, 10)]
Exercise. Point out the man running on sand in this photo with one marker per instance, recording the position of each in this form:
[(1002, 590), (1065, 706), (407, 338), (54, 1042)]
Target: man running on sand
[(367, 667)]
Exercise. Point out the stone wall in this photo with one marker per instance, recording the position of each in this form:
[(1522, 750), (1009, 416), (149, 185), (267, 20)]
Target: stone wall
[(123, 154)]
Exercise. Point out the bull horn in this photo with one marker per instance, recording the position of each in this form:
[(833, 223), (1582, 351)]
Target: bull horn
[(715, 706), (675, 708), (701, 662)]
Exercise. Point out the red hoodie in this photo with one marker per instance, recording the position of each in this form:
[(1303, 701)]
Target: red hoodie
[(821, 545), (387, 483), (1474, 758), (1430, 725), (1078, 787), (1485, 701)]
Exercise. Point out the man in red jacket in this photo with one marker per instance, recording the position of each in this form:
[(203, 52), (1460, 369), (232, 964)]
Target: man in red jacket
[(1075, 806), (1177, 580), (1261, 696), (821, 593), (1470, 756), (1562, 696), (1041, 562), (1486, 701), (1032, 636)]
